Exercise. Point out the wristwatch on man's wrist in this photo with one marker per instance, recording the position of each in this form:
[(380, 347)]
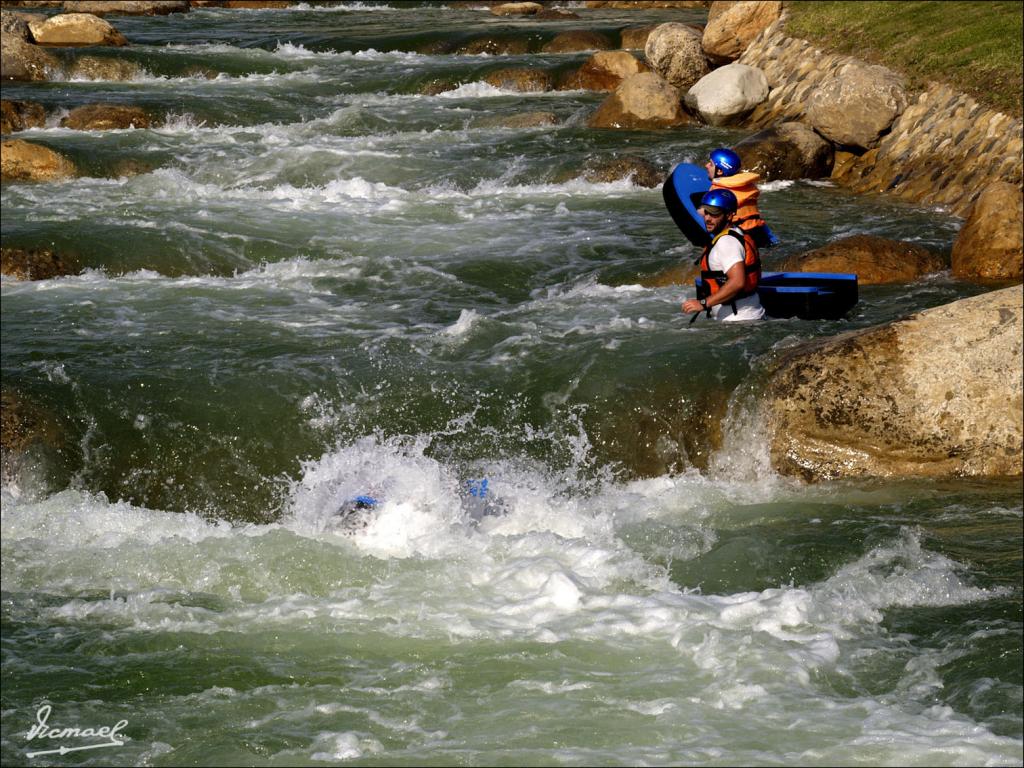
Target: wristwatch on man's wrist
[(704, 303)]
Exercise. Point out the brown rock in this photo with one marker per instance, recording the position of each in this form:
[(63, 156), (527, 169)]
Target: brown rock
[(105, 117), (875, 260), (635, 38), (75, 29), (989, 246), (20, 60), (24, 161), (604, 71), (729, 31), (252, 5), (642, 172), (126, 7), (32, 264), (644, 101), (523, 120), (24, 425), (787, 151), (938, 394), (520, 79), (20, 115), (678, 274), (674, 51), (16, 23), (102, 68), (555, 14), (495, 46), (437, 85), (577, 40), (516, 9)]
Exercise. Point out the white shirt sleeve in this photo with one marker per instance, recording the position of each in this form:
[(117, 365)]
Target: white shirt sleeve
[(727, 251)]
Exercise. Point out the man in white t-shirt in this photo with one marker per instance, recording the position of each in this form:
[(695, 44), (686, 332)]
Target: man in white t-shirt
[(730, 266)]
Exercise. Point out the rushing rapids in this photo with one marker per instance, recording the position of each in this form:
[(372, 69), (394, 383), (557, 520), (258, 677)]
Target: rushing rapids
[(320, 282)]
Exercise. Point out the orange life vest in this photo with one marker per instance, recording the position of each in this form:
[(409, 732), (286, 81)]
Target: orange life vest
[(713, 280), (744, 186)]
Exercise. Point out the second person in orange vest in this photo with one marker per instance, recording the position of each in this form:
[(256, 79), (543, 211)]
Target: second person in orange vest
[(724, 173)]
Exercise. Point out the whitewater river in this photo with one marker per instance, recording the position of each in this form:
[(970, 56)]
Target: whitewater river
[(319, 284)]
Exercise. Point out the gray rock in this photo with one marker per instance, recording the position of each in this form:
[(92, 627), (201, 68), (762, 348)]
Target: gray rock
[(20, 60), (674, 51), (728, 94), (857, 104)]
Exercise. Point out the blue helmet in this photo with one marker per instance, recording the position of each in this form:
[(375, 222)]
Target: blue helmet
[(726, 161), (719, 201)]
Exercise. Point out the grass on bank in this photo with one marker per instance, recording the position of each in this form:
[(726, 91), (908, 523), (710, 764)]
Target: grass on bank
[(975, 47)]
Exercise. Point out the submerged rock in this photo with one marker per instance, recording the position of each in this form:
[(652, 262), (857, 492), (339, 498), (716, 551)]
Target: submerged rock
[(642, 173), (522, 120), (520, 79), (937, 394), (635, 38), (126, 7), (577, 40), (24, 161), (106, 117), (875, 260), (32, 264), (989, 246), (495, 46), (102, 68), (20, 115), (24, 426)]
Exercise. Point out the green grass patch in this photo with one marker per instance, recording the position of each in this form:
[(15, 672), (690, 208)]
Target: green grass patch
[(975, 47)]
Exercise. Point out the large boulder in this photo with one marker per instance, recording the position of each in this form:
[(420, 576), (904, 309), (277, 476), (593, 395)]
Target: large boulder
[(106, 117), (875, 260), (989, 244), (126, 7), (728, 94), (857, 104), (937, 394), (604, 71), (674, 51), (731, 29), (20, 115), (25, 161), (786, 151), (103, 68), (577, 40), (20, 60), (520, 79), (75, 29), (32, 264), (643, 101)]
